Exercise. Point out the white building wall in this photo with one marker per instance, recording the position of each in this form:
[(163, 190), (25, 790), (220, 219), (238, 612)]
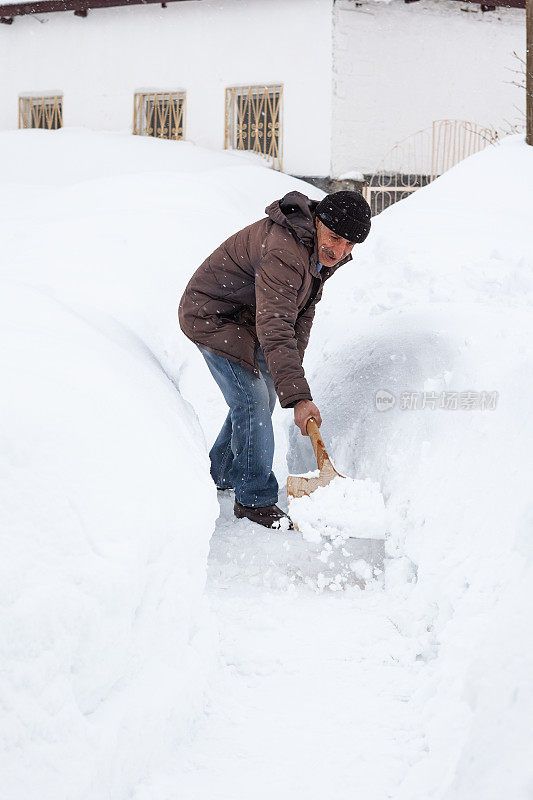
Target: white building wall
[(203, 47), (398, 67)]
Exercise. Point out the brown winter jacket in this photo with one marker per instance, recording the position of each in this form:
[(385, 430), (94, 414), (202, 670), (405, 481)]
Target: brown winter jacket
[(260, 288)]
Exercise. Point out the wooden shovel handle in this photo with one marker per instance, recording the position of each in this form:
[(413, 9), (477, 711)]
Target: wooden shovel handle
[(316, 440)]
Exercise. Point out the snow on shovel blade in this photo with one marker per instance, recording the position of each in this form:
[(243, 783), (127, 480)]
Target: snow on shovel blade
[(343, 508), (299, 485)]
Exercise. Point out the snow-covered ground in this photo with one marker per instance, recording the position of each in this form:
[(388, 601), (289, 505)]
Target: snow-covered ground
[(124, 674)]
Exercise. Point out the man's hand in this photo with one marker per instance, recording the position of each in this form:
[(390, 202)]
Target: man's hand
[(304, 410)]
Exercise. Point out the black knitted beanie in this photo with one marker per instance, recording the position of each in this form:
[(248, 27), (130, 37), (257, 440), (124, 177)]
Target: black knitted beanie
[(347, 214)]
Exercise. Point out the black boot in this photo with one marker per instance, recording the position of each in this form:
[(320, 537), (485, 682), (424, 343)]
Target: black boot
[(268, 516)]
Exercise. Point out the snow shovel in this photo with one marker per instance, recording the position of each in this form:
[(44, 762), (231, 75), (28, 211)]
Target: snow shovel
[(299, 485)]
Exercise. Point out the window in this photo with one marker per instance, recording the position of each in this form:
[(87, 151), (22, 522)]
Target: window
[(253, 121), (160, 114), (44, 111)]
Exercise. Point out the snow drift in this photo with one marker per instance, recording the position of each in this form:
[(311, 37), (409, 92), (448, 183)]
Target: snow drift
[(439, 302), (107, 504)]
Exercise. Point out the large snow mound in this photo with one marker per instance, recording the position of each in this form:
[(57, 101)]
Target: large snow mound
[(107, 505), (434, 317)]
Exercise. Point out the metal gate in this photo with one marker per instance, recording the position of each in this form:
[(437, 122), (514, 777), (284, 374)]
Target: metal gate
[(420, 158)]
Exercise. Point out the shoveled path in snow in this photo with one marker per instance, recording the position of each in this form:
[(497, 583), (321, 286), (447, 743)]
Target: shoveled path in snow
[(312, 699)]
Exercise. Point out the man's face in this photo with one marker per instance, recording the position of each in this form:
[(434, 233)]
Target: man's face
[(331, 247)]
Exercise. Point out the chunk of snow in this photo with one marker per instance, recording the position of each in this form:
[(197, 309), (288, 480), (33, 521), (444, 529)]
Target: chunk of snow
[(343, 509)]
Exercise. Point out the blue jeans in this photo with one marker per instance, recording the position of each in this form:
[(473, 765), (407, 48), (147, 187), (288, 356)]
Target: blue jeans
[(243, 452)]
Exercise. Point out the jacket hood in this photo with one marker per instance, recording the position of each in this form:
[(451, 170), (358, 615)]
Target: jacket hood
[(296, 212)]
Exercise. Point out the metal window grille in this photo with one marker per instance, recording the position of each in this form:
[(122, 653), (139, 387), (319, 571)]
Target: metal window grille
[(418, 160), (41, 112), (253, 121), (160, 114)]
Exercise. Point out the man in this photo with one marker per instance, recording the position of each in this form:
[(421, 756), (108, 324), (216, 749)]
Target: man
[(249, 308)]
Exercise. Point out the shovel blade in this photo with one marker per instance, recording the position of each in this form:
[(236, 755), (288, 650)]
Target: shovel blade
[(299, 486)]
